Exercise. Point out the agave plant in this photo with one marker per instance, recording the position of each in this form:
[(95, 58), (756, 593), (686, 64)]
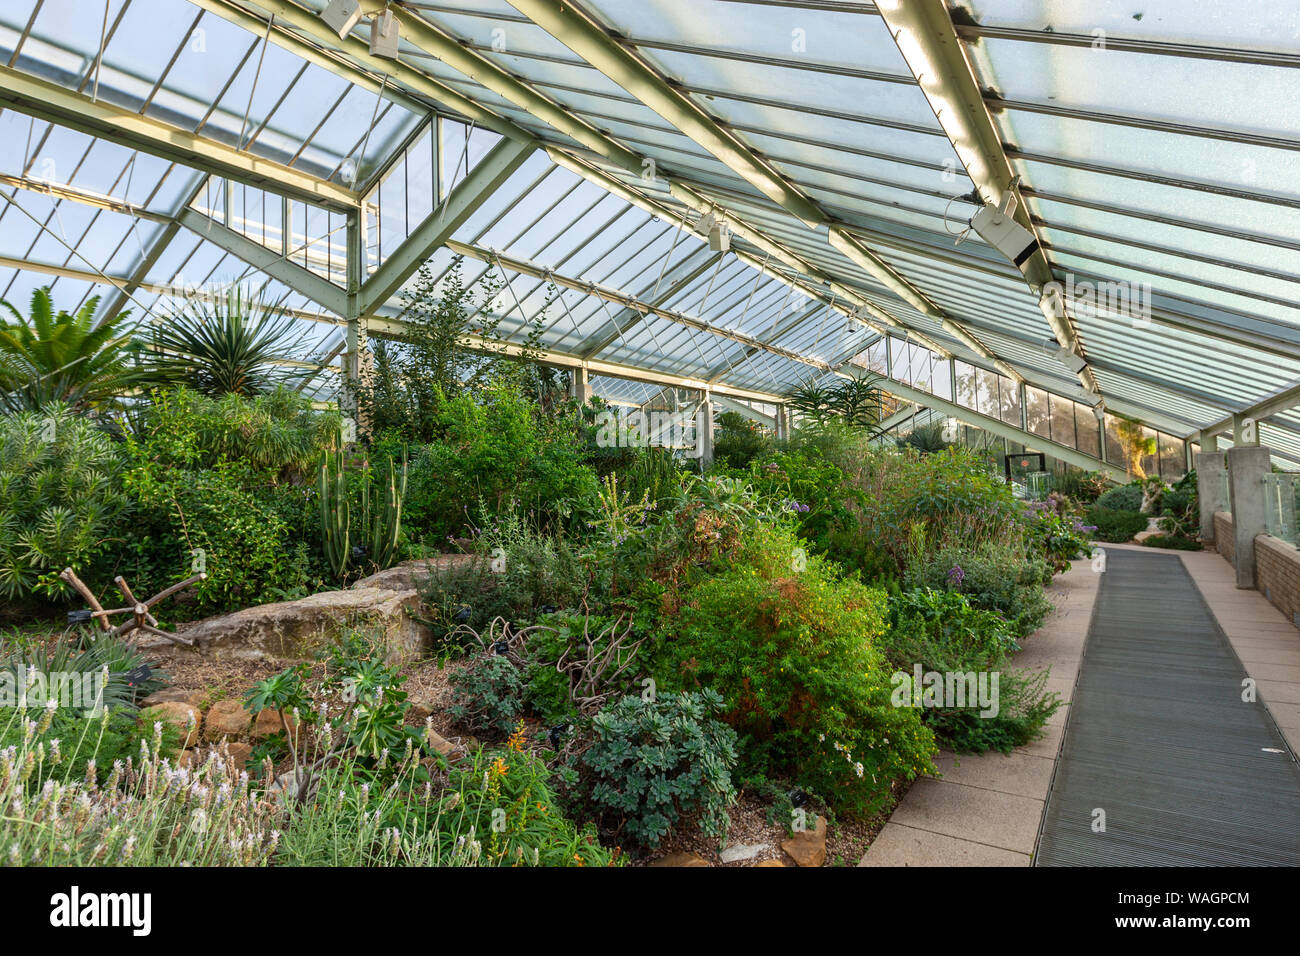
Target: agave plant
[(925, 439), (65, 358), (232, 344)]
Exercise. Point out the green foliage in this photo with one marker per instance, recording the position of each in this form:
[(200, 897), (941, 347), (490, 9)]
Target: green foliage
[(1121, 498), (853, 402), (942, 632), (905, 507), (214, 484), (925, 439), (1174, 542), (498, 810), (232, 345), (250, 537), (791, 647), (66, 359), (489, 695), (737, 441), (59, 500), (1057, 532), (496, 449), (993, 576), (811, 489), (277, 434), (1083, 486), (371, 544), (1116, 527), (656, 761)]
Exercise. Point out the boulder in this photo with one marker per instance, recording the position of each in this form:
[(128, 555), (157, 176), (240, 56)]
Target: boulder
[(295, 629), (741, 851), (267, 723), (226, 718), (808, 847), (681, 858), (775, 862), (173, 694), (412, 575), (184, 717)]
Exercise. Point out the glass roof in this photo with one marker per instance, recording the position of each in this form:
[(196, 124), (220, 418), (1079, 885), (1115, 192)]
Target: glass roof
[(1156, 148)]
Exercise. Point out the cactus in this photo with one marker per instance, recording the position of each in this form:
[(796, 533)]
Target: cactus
[(378, 529), (335, 512), (386, 524)]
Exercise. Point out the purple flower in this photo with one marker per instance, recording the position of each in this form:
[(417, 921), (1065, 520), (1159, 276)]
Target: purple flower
[(956, 575)]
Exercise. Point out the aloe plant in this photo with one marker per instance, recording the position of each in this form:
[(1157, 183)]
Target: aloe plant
[(379, 526)]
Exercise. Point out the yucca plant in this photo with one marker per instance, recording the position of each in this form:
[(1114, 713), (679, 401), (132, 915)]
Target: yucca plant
[(231, 344), (58, 498), (47, 357)]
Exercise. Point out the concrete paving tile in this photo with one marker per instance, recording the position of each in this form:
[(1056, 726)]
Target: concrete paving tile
[(1023, 774), (1286, 715), (1278, 691), (899, 845), (1047, 745), (986, 816)]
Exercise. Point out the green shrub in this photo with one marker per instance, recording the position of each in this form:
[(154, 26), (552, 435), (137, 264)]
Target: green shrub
[(993, 577), (489, 695), (943, 633), (59, 501), (656, 761), (1123, 498), (737, 441), (791, 647), (495, 452), (1116, 527), (1172, 541)]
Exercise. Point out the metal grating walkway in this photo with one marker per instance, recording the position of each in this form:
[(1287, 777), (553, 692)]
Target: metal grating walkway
[(1159, 738)]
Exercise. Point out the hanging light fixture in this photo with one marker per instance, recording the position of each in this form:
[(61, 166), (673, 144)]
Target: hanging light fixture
[(342, 16), (385, 35)]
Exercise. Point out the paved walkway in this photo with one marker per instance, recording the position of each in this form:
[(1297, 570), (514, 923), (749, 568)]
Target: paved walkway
[(986, 810)]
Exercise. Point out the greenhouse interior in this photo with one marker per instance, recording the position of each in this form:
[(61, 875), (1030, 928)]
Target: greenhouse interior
[(672, 433)]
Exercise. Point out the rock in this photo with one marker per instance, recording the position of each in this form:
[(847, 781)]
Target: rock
[(267, 723), (295, 629), (226, 718), (187, 760), (453, 752), (808, 848), (413, 575), (742, 851), (681, 858), (184, 717), (776, 862), (170, 695), (239, 754), (421, 707)]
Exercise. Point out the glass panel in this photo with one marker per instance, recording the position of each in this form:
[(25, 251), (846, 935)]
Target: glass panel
[(1038, 411), (965, 385)]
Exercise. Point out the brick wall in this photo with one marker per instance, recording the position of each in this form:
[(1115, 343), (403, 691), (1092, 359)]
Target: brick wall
[(1277, 574), (1224, 542)]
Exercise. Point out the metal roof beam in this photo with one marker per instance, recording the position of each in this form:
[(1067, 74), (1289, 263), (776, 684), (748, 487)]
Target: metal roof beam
[(59, 105), (439, 226), (301, 280)]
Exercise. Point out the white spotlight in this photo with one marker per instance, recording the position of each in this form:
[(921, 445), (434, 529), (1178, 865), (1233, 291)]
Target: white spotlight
[(719, 237), (342, 16), (385, 35)]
